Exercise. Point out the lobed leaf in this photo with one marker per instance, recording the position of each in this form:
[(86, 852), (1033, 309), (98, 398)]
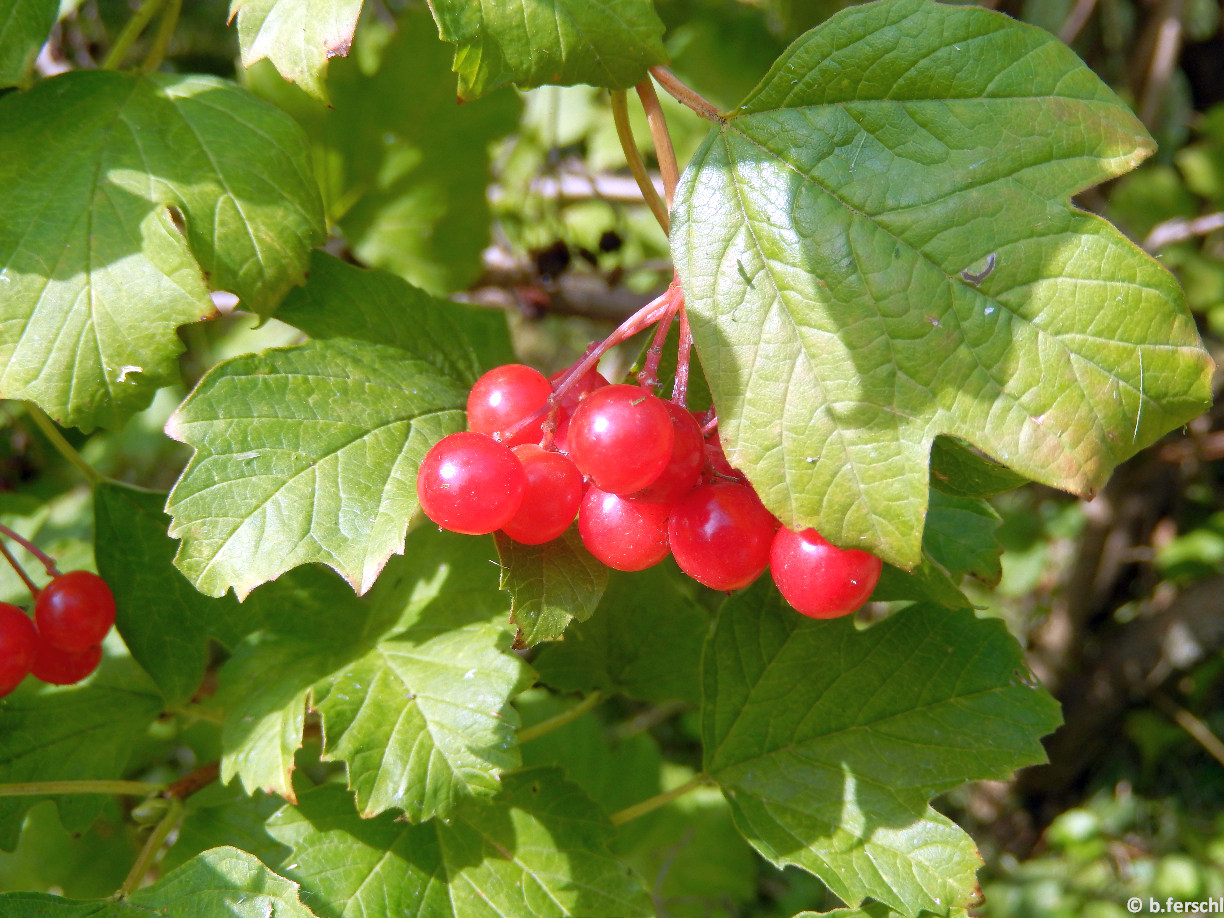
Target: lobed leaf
[(533, 42), (307, 454), (550, 585), (128, 197), (299, 37), (829, 740), (537, 849), (879, 240)]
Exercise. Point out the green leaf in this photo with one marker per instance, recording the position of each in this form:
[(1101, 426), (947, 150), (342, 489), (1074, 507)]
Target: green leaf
[(24, 27), (307, 454), (126, 198), (164, 621), (829, 740), (217, 816), (298, 36), (956, 469), (877, 247), (644, 641), (538, 850), (413, 684), (344, 301), (404, 174), (533, 42), (550, 584), (221, 881), (958, 539), (72, 733)]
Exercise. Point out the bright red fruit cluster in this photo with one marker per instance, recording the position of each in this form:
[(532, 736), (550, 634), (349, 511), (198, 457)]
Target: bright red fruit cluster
[(63, 643), (641, 476)]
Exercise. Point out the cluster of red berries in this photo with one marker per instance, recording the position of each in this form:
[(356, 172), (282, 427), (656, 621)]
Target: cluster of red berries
[(643, 479), (63, 643)]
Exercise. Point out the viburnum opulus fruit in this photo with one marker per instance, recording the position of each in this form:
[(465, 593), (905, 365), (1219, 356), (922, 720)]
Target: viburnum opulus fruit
[(470, 483), (818, 578), (621, 437), (74, 611), (550, 499), (625, 533), (504, 396), (18, 641), (720, 535)]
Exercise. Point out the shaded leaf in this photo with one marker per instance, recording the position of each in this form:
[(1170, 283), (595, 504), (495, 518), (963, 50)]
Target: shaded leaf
[(50, 733), (533, 42), (877, 247), (165, 622), (127, 197), (24, 27), (829, 740), (537, 849), (550, 584), (307, 454), (298, 36), (644, 641), (343, 301), (957, 470)]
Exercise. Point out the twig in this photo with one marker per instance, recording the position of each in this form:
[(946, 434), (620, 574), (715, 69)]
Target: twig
[(130, 33), (1074, 24), (685, 95), (161, 41), (1199, 731), (25, 578), (52, 432), (683, 359), (650, 804), (1164, 58), (665, 153), (624, 132), (44, 559), (152, 845), (49, 788), (570, 714), (1179, 229)]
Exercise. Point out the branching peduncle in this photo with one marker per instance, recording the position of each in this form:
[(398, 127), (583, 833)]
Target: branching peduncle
[(686, 96), (144, 860), (137, 24), (161, 41), (44, 559), (569, 715), (683, 356), (664, 151), (25, 578), (624, 132), (52, 432), (650, 804)]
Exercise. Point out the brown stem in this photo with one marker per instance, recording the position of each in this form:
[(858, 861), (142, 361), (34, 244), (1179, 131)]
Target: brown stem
[(197, 780), (25, 578), (685, 95), (664, 151), (683, 358)]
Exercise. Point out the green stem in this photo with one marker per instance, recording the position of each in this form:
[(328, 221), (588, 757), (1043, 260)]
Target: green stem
[(161, 41), (554, 723), (650, 804), (685, 95), (137, 24), (52, 432), (152, 845), (620, 115), (665, 153), (46, 788)]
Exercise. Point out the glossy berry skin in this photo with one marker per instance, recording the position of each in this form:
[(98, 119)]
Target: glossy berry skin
[(550, 501), (64, 667), (720, 535), (503, 397), (588, 383), (621, 436), (18, 640), (624, 533), (717, 468), (470, 483), (687, 458), (74, 611), (818, 578)]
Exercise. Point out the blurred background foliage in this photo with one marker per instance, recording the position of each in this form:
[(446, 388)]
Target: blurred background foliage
[(523, 203)]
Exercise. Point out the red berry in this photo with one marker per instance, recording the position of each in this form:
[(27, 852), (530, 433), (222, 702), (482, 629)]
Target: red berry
[(720, 535), (819, 579), (687, 459), (74, 611), (624, 533), (470, 483), (554, 489), (588, 383), (64, 667), (717, 466), (621, 436), (503, 397), (18, 639)]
